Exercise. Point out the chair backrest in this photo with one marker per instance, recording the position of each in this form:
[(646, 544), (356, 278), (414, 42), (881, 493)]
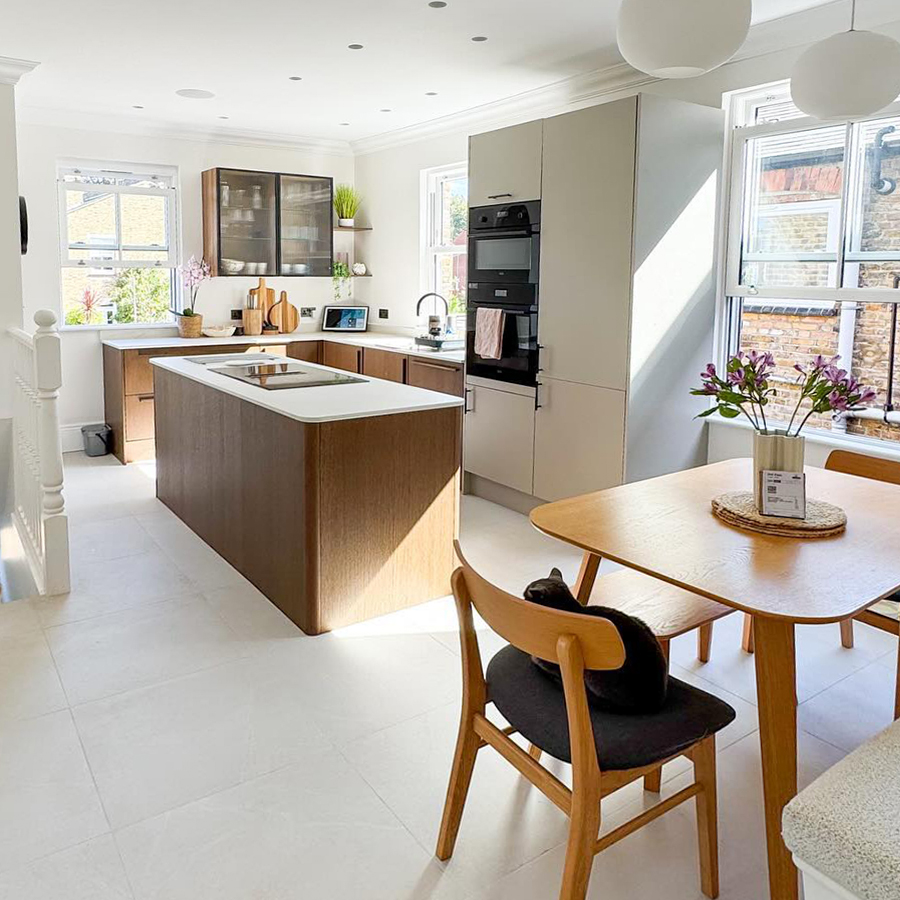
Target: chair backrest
[(865, 466), (536, 629)]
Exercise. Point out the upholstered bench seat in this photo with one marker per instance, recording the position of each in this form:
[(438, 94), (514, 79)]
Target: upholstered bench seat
[(533, 702), (845, 824)]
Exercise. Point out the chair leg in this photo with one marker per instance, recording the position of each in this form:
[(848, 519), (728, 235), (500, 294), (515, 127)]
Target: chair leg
[(704, 642), (653, 781), (847, 633), (534, 752), (704, 757), (747, 639), (584, 826), (467, 745)]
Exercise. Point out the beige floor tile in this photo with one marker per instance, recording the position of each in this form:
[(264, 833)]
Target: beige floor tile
[(111, 654), (29, 684), (47, 797), (19, 617)]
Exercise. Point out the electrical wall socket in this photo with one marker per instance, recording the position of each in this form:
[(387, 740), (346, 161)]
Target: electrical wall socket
[(237, 315), (307, 312), (382, 313)]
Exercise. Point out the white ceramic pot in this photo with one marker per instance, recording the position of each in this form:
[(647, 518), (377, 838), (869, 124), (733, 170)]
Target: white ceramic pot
[(346, 223), (775, 451)]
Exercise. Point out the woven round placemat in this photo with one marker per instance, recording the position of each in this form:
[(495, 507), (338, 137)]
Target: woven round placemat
[(738, 508)]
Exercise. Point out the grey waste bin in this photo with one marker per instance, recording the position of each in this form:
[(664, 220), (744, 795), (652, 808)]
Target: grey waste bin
[(96, 439)]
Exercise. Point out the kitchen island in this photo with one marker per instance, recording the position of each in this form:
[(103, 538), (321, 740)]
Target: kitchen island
[(340, 502)]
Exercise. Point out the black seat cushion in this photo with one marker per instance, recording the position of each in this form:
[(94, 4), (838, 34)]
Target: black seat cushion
[(640, 685), (533, 702)]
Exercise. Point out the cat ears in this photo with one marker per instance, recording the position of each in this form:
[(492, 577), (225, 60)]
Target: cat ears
[(555, 573)]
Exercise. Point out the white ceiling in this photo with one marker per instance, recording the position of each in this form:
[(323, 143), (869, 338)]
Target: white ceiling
[(102, 57)]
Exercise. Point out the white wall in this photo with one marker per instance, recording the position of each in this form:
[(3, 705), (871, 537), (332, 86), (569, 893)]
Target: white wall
[(10, 276), (41, 146)]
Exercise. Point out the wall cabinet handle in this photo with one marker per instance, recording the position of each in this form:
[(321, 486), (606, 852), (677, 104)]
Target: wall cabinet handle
[(537, 395), (466, 407), (498, 196)]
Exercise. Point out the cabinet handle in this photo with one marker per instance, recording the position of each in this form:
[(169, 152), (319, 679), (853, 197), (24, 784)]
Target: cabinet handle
[(466, 407), (540, 347), (431, 365), (498, 196), (537, 395), (144, 397)]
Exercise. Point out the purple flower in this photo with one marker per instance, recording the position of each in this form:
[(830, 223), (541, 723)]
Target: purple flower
[(800, 368), (837, 401), (736, 377), (710, 371), (867, 396)]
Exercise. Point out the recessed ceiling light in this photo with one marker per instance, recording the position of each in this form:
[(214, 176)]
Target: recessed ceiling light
[(354, 46), (431, 93), (479, 39), (344, 123), (137, 107), (223, 117), (195, 94), (384, 110), (295, 78), (437, 4)]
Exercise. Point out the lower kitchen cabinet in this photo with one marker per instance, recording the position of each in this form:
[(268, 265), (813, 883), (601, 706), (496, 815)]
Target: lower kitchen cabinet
[(448, 378), (305, 351), (499, 436), (342, 356), (384, 364), (579, 439)]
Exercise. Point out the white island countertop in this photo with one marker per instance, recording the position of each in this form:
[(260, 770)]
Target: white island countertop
[(327, 403), (378, 340)]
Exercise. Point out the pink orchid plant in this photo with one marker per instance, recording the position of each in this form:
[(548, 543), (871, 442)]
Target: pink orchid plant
[(747, 388), (192, 276)]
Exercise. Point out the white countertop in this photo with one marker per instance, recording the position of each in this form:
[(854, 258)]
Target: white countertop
[(379, 341), (371, 397)]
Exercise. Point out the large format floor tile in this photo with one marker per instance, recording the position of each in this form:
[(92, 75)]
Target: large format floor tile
[(159, 747), (89, 871), (115, 653), (29, 685), (312, 830), (19, 617), (47, 797)]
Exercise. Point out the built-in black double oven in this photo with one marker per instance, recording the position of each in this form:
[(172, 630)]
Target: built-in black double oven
[(504, 263)]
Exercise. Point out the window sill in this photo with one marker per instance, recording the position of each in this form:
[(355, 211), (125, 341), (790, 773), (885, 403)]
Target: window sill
[(148, 327), (830, 439)]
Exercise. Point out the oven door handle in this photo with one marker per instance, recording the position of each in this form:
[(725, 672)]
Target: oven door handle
[(500, 233)]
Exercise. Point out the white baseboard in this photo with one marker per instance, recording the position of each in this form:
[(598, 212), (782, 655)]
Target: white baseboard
[(70, 438)]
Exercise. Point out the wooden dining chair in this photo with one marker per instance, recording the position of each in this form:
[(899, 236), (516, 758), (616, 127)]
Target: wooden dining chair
[(877, 469), (606, 750)]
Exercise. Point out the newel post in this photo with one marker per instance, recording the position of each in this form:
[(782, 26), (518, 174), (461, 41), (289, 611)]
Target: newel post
[(48, 380)]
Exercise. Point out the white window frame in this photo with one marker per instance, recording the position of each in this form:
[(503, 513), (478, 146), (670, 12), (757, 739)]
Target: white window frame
[(741, 107), (430, 218)]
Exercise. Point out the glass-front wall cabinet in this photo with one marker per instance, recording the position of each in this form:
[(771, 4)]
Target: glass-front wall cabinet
[(266, 223), (306, 225)]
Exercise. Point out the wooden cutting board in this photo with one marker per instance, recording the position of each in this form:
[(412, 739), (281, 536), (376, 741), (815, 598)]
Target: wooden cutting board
[(265, 298), (284, 315)]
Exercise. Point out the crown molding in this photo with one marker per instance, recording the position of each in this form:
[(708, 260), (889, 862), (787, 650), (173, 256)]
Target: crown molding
[(11, 70), (138, 126), (577, 90)]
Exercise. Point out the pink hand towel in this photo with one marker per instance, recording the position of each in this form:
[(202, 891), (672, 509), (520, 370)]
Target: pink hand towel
[(489, 332)]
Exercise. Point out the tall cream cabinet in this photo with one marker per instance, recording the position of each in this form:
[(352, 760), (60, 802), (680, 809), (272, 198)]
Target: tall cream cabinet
[(508, 168), (629, 194)]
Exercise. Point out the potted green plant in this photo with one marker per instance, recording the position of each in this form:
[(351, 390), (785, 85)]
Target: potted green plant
[(746, 389), (340, 276), (346, 205), (190, 322)]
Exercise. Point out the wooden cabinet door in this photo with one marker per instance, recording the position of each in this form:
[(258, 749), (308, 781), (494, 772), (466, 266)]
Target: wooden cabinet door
[(499, 437), (586, 237), (579, 439), (505, 165), (138, 371), (341, 356), (444, 377), (139, 412), (307, 351), (384, 364)]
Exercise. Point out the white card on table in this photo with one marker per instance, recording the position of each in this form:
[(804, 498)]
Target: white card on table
[(784, 494)]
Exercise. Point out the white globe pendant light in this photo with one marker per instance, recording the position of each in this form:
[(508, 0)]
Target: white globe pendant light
[(681, 38), (852, 74)]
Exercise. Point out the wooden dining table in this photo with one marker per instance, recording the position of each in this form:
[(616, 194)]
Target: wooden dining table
[(665, 528)]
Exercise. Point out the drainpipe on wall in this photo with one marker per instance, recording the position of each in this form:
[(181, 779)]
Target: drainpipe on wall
[(846, 335)]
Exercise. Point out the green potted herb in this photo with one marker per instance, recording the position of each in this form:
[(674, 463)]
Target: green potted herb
[(340, 275), (346, 205)]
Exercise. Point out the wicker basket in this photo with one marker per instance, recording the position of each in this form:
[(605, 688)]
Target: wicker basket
[(189, 326)]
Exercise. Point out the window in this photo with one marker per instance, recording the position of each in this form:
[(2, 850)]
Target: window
[(813, 254), (118, 246), (445, 230)]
